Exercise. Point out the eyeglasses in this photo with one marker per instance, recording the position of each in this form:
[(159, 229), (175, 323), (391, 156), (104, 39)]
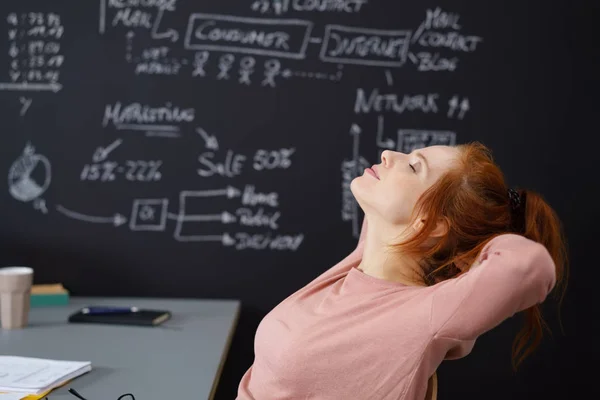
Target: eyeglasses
[(126, 396)]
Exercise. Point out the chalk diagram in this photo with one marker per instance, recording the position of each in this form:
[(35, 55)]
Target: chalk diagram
[(240, 46), (29, 177), (237, 49)]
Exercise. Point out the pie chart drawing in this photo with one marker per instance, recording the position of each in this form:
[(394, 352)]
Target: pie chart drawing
[(29, 176)]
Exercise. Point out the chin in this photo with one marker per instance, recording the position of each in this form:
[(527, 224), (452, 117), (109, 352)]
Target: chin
[(362, 202), (356, 187)]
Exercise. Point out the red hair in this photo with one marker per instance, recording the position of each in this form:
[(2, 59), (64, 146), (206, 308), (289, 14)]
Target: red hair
[(473, 199)]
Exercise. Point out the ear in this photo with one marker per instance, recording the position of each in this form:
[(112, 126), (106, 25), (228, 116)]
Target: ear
[(441, 228)]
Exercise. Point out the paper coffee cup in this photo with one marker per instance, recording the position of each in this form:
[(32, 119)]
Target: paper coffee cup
[(15, 292)]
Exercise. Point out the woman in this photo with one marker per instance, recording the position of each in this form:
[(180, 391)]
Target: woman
[(445, 254)]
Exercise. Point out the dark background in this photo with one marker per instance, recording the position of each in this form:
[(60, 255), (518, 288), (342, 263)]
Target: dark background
[(531, 85)]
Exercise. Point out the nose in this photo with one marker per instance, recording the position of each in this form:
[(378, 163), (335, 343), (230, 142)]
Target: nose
[(387, 157)]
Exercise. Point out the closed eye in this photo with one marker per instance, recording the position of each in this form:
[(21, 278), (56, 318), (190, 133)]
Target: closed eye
[(413, 168)]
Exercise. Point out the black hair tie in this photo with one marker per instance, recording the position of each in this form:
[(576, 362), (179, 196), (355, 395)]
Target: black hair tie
[(517, 205), (515, 199)]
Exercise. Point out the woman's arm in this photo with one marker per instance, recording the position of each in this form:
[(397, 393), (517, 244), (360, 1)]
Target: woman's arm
[(513, 273)]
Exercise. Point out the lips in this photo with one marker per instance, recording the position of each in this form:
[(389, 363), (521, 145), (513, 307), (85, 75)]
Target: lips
[(373, 172), (374, 168)]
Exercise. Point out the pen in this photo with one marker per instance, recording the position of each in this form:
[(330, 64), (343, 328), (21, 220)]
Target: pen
[(108, 310)]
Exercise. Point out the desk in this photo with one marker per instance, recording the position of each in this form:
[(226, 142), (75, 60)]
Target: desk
[(181, 359)]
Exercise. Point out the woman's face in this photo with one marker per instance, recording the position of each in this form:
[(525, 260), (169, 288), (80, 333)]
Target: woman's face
[(390, 190)]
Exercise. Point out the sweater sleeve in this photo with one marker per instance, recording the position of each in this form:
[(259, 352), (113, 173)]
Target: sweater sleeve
[(512, 274)]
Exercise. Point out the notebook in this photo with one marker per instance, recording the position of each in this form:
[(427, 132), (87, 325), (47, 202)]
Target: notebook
[(140, 318), (37, 375)]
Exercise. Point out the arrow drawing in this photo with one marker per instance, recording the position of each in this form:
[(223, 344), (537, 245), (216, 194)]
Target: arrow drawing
[(223, 217), (116, 219), (211, 141), (34, 87), (169, 33), (225, 239), (229, 191), (387, 143)]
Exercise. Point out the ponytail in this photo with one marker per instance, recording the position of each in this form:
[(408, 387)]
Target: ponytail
[(537, 221)]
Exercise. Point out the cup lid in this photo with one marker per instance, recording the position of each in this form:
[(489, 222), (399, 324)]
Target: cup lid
[(16, 271)]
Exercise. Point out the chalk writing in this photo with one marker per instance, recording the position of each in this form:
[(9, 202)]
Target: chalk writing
[(454, 105), (259, 218), (267, 241), (279, 7), (252, 198), (25, 104), (137, 113), (233, 163), (364, 46), (102, 153), (130, 170), (34, 50), (426, 61), (168, 5), (440, 31), (258, 36), (392, 102), (230, 167)]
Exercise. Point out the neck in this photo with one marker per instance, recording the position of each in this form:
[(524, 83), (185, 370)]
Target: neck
[(382, 261)]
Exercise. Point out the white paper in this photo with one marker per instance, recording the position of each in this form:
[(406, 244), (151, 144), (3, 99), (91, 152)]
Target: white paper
[(11, 396), (34, 375)]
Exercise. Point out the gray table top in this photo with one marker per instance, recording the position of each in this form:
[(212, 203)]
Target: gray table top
[(181, 359)]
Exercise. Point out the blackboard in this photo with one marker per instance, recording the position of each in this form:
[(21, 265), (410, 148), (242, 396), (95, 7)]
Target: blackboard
[(205, 149)]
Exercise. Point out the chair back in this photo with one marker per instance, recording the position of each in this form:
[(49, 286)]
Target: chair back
[(432, 387)]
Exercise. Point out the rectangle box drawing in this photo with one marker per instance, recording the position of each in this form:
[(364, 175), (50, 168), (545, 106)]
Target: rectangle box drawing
[(359, 39), (228, 35), (411, 139), (149, 215)]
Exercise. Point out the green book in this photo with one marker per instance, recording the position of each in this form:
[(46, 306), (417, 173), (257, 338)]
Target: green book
[(49, 295)]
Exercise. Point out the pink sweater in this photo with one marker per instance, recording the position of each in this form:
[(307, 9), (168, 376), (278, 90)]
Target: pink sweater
[(348, 335)]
